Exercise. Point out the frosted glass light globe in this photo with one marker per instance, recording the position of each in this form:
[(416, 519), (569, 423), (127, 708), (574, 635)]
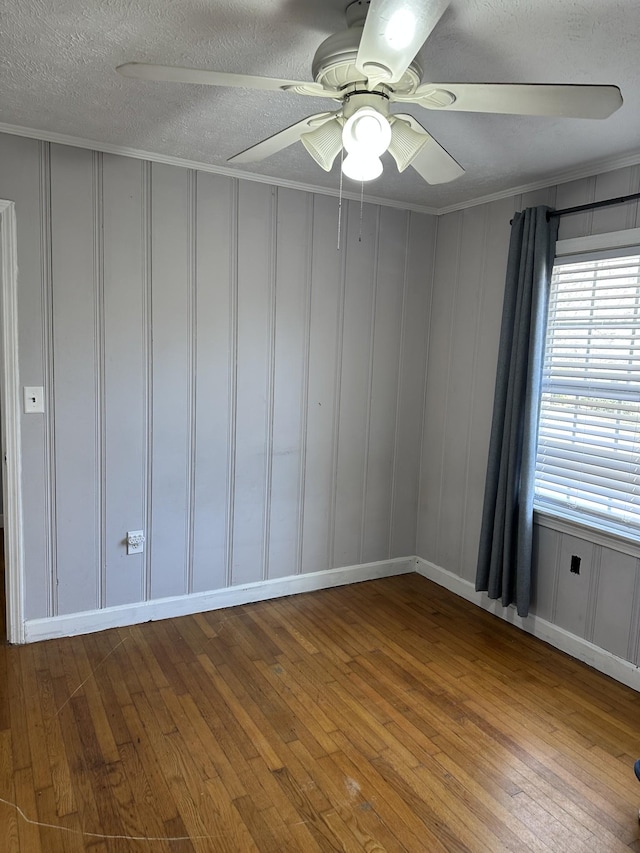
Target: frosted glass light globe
[(367, 132), (361, 167)]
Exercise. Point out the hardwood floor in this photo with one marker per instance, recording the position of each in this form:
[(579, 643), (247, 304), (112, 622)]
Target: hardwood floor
[(385, 716)]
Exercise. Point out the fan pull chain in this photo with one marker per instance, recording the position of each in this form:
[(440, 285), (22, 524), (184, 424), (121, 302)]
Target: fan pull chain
[(340, 199), (361, 209)]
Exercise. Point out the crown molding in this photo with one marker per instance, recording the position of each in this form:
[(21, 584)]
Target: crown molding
[(138, 154), (587, 170)]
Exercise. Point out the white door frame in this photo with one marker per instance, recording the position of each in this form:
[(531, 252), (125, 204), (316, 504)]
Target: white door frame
[(10, 410)]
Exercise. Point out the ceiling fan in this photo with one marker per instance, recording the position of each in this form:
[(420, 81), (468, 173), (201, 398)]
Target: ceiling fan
[(372, 65)]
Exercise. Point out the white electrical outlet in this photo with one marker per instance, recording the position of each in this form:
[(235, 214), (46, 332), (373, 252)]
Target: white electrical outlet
[(135, 541)]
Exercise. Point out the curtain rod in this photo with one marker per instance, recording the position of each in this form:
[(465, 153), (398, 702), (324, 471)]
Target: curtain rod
[(623, 199)]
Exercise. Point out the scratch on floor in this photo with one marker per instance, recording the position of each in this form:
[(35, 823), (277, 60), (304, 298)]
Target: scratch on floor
[(91, 674), (72, 831)]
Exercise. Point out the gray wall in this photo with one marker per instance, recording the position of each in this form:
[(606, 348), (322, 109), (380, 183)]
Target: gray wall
[(216, 373), (602, 604)]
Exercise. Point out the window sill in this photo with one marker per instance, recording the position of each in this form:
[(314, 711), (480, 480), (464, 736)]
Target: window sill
[(581, 530)]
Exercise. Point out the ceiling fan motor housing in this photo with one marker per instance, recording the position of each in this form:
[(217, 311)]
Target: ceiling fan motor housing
[(334, 61), (356, 100)]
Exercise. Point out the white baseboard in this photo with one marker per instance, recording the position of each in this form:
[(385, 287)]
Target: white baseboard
[(90, 621), (600, 659), (165, 608)]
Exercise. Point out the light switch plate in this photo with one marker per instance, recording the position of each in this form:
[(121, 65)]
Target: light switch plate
[(33, 399)]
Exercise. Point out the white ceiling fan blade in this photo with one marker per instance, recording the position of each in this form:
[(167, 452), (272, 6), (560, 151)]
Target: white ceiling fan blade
[(535, 99), (280, 140), (315, 90), (432, 162), (174, 74), (394, 32)]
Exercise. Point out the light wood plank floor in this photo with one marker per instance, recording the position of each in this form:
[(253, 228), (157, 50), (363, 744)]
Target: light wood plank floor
[(385, 716)]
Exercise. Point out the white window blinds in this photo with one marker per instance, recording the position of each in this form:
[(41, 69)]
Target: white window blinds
[(588, 461)]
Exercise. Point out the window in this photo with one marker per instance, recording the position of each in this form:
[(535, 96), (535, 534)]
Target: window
[(588, 460)]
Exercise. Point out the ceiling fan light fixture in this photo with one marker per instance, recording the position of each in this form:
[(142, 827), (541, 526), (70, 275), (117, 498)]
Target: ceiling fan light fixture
[(366, 133), (368, 68), (361, 167), (405, 144), (324, 143)]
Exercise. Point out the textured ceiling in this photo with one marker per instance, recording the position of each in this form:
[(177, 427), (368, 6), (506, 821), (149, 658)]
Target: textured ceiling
[(57, 61)]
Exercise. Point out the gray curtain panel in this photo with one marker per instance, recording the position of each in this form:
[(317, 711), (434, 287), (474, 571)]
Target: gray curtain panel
[(504, 555)]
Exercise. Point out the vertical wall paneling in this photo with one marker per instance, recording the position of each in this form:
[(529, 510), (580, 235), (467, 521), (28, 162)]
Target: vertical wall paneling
[(271, 367), (74, 265), (213, 373), (414, 342), (401, 364), (147, 341), (594, 583), (290, 360), (546, 544), (324, 355), (233, 378), (613, 185), (384, 384), (448, 418), (445, 285), (349, 460), (254, 315), (124, 380), (573, 589), (51, 580), (556, 578), (460, 391), (192, 330), (572, 194), (343, 233), (367, 430), (171, 381), (99, 358), (304, 399), (613, 605)]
